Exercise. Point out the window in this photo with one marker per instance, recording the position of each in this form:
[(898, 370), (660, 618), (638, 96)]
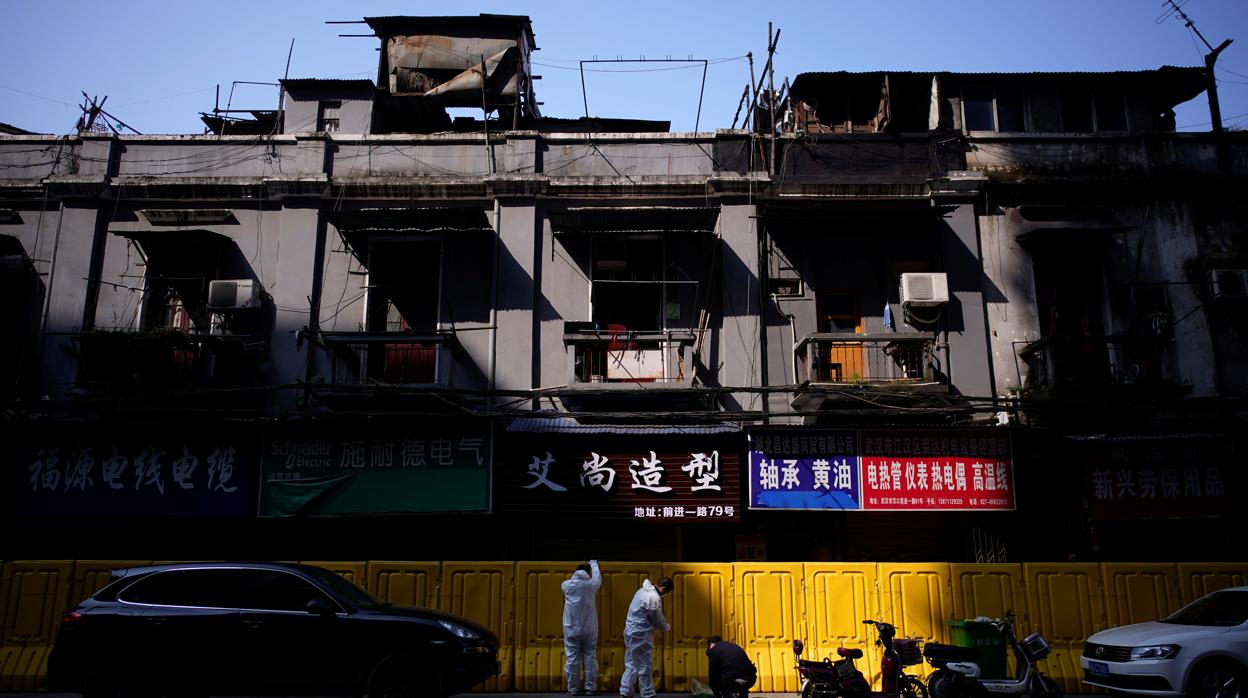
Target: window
[(206, 588), (274, 590), (327, 116), (993, 109), (838, 312), (1076, 107), (404, 277), (977, 110), (628, 283), (1111, 114)]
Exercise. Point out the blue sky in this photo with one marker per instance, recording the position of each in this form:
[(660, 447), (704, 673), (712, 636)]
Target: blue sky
[(160, 61)]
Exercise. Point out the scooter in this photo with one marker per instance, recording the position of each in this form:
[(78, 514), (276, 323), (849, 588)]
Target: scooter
[(841, 678), (1028, 680)]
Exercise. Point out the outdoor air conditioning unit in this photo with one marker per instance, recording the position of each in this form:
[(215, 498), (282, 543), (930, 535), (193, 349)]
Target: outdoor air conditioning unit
[(926, 290), (233, 294), (1229, 283)]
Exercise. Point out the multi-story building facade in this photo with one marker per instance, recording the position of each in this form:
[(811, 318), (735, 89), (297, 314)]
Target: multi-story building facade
[(929, 316)]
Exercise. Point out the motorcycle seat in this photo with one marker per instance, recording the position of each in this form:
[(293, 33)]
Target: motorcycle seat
[(950, 653), (849, 653)]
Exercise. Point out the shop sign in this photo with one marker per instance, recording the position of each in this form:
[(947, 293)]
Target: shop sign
[(863, 470), (1159, 477), (658, 482), (381, 470), (68, 476)]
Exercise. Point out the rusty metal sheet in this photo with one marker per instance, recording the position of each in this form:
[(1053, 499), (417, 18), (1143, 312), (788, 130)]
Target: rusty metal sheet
[(430, 52)]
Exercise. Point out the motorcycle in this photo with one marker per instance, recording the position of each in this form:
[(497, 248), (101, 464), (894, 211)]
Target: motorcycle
[(958, 675), (841, 678)]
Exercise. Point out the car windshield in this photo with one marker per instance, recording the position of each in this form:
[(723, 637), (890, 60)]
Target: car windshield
[(1221, 608), (343, 588)]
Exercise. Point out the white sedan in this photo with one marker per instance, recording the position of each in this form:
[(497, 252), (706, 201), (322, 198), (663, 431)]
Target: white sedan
[(1200, 651)]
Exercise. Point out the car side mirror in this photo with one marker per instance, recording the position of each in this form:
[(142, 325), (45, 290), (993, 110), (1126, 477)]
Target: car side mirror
[(797, 648), (320, 607)]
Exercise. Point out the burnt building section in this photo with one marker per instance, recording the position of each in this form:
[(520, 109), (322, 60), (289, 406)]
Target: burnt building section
[(927, 311)]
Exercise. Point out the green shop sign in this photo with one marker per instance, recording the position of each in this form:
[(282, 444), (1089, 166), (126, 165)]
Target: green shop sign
[(379, 471)]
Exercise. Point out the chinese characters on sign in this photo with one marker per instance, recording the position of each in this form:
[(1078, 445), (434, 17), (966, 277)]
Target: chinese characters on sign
[(114, 478), (385, 469), (950, 470), (694, 484), (1158, 477)]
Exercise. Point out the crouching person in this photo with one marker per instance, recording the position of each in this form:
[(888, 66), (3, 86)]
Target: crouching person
[(731, 673)]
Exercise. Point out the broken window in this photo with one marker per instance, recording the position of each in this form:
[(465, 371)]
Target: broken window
[(1010, 110), (1111, 113), (977, 110), (1076, 105), (628, 283)]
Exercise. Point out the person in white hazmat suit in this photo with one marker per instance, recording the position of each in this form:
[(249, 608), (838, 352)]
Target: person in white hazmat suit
[(580, 627), (645, 616)]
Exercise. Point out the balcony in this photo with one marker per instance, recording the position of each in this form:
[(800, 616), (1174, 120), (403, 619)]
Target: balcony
[(616, 358), (883, 361), (1129, 364), (119, 362), (390, 358)]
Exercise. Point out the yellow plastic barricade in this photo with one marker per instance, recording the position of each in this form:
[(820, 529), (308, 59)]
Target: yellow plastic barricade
[(539, 625), (354, 572), (33, 597), (1064, 603), (769, 608), (485, 592), (620, 580), (986, 590), (701, 606), (839, 596), (1199, 578), (405, 583), (916, 598), (1136, 592)]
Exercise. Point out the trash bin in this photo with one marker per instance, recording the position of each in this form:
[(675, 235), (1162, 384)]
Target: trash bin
[(985, 638)]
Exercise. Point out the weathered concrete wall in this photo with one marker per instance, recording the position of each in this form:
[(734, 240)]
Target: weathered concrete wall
[(518, 236), (739, 323), (970, 368)]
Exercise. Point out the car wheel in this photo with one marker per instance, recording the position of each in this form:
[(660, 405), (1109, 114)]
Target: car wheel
[(1216, 680)]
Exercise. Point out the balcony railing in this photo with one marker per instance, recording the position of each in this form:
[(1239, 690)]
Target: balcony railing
[(621, 356), (890, 358), (1091, 362), (127, 360), (362, 358)]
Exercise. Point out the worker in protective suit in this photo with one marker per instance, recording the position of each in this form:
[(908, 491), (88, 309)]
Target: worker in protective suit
[(580, 627), (645, 615)]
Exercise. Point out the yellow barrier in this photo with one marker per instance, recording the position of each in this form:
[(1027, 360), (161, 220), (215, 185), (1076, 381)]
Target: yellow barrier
[(405, 583), (540, 654), (700, 605), (839, 596), (33, 599), (769, 615), (1065, 604), (763, 607), (485, 592)]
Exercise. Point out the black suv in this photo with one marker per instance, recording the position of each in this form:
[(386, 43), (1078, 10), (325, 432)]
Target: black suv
[(261, 629)]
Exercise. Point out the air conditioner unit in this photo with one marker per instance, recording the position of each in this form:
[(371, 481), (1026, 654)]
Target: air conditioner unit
[(1229, 283), (926, 290), (233, 294)]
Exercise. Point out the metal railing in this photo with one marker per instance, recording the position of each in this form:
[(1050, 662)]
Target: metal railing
[(362, 358), (860, 359), (1077, 361), (606, 356)]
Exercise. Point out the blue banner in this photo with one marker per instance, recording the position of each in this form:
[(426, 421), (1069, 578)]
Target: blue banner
[(807, 470)]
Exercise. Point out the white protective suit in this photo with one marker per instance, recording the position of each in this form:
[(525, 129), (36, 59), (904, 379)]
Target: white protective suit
[(645, 615), (580, 627)]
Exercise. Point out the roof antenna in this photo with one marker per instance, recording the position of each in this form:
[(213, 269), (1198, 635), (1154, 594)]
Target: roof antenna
[(1215, 111)]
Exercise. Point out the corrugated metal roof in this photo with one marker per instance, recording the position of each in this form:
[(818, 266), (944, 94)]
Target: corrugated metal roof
[(380, 24), (1165, 69), (570, 425), (313, 82)]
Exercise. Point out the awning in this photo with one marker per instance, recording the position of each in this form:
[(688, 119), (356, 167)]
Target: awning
[(634, 219), (412, 219), (570, 425)]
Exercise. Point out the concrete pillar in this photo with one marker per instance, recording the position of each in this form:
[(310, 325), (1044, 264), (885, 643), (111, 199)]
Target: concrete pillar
[(739, 343), (290, 283), (516, 337), (970, 360), (67, 242)]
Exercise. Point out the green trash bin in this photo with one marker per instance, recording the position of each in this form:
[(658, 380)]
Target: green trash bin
[(988, 640)]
